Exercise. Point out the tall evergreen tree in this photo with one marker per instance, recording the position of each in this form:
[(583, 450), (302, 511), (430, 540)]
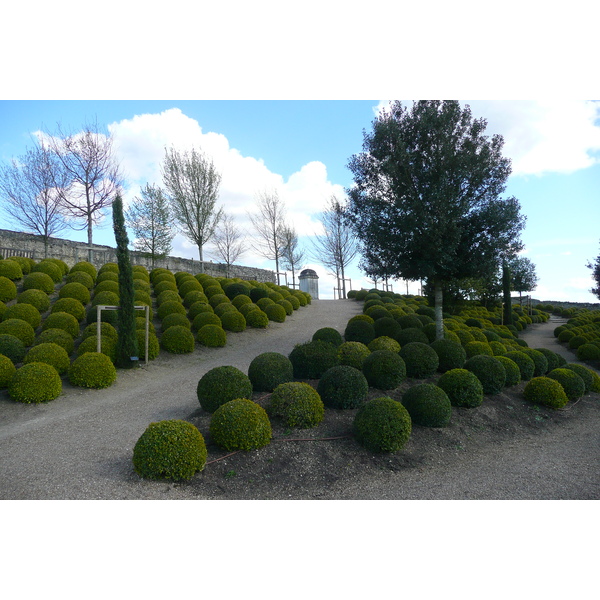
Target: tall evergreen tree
[(127, 346), (596, 276)]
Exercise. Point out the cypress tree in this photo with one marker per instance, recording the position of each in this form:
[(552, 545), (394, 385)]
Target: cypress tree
[(127, 347)]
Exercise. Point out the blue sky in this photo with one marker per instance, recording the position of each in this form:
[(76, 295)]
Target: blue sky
[(302, 148)]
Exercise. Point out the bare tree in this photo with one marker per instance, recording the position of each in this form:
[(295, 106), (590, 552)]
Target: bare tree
[(152, 225), (228, 241), (94, 175), (269, 225), (28, 189), (192, 184), (337, 247), (292, 255)]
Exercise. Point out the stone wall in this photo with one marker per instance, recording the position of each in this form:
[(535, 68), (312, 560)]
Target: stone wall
[(13, 243)]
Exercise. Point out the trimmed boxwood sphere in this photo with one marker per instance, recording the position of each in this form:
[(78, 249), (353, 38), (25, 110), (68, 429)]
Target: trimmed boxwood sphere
[(194, 296), (12, 347), (233, 321), (462, 387), (421, 360), (172, 449), (343, 387), (275, 312), (108, 346), (212, 336), (428, 405), (489, 371), (175, 319), (572, 383), (240, 424), (197, 308), (412, 334), (384, 342), (513, 373), (106, 299), (328, 334), (586, 374), (36, 298), (57, 336), (382, 425), (384, 369), (62, 320), (106, 330), (524, 362), (257, 319), (34, 383), (7, 371), (153, 344), (83, 278), (588, 351), (71, 306), (268, 370), (205, 318), (178, 340), (25, 312), (107, 286), (10, 269), (554, 360), (451, 355), (50, 268), (220, 385), (170, 307), (77, 291), (311, 359), (546, 391), (353, 354), (92, 370), (39, 281), (539, 360), (297, 404), (359, 331), (20, 329), (51, 354), (476, 348), (86, 267), (8, 290), (387, 326)]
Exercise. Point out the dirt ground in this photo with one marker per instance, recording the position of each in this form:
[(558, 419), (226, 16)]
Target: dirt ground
[(80, 445)]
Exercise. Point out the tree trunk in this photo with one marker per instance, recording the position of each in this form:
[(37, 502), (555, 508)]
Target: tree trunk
[(201, 258), (439, 316), (343, 282)]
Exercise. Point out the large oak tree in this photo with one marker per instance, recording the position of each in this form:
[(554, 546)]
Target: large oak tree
[(427, 202)]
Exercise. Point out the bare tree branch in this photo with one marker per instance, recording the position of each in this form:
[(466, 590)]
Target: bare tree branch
[(228, 241), (293, 257)]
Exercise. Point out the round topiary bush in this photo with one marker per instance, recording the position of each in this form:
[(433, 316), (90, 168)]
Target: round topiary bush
[(108, 346), (194, 296), (384, 343), (275, 313), (92, 370), (410, 335), (384, 369), (328, 334), (12, 347), (190, 285), (343, 387), (257, 319), (153, 344), (83, 279), (175, 319), (170, 307), (10, 269), (476, 348), (205, 318), (39, 281), (233, 320), (77, 291), (105, 299), (572, 383), (387, 326), (539, 360), (107, 286), (212, 336), (382, 425), (71, 306), (34, 383), (421, 360), (7, 371), (19, 329), (498, 348), (51, 354), (546, 391), (462, 388), (25, 312), (220, 385), (524, 362), (172, 449), (167, 296), (8, 290), (428, 405), (586, 374), (197, 308), (410, 321), (490, 371), (588, 351), (297, 404), (50, 269), (554, 360), (240, 424), (102, 276), (451, 355), (513, 373), (359, 331), (62, 320), (57, 336), (177, 340), (311, 359), (36, 298), (353, 354), (268, 370), (86, 267)]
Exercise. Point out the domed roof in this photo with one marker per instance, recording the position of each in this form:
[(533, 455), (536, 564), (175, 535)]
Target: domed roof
[(309, 273)]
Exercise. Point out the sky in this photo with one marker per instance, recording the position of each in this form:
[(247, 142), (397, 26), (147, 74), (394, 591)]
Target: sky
[(301, 149)]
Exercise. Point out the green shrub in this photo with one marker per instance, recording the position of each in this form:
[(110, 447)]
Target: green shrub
[(8, 290), (18, 328), (359, 331), (451, 355), (241, 299), (190, 285), (268, 370), (584, 372), (212, 336), (50, 269), (539, 360), (588, 352), (217, 299), (297, 404), (103, 275), (105, 299), (167, 296), (177, 340), (107, 286), (36, 298), (11, 269), (108, 346), (421, 360), (205, 318), (51, 354), (175, 319), (70, 306), (546, 391), (513, 373), (328, 334), (382, 425), (39, 281), (25, 312), (476, 348), (240, 424), (572, 383), (490, 371), (257, 319), (353, 354), (165, 285), (384, 369), (57, 336), (343, 387), (92, 370), (194, 296), (86, 267), (410, 335), (24, 262), (365, 318), (428, 405), (462, 388), (153, 344), (35, 382), (275, 312), (106, 330), (576, 341), (311, 359), (388, 327), (7, 371), (170, 307), (465, 336), (82, 278), (172, 449), (77, 291), (384, 343), (410, 321), (524, 362), (12, 347), (197, 308), (498, 348), (62, 320), (262, 303), (233, 321)]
